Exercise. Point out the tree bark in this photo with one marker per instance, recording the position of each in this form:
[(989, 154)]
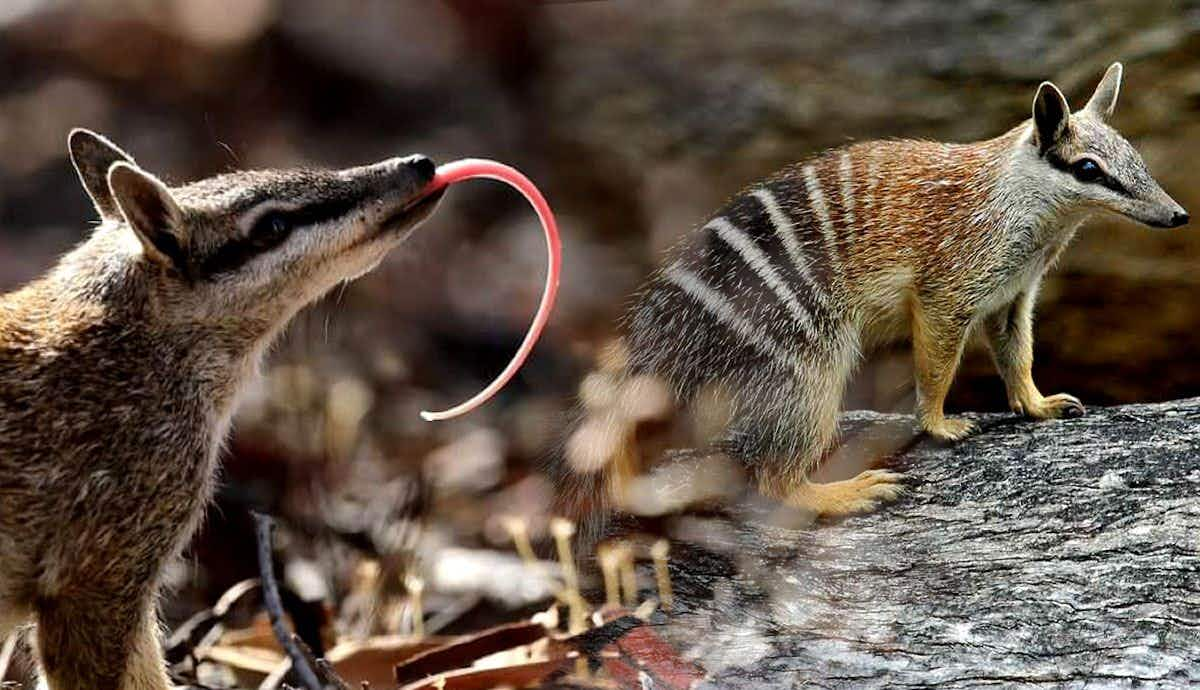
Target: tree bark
[(1059, 554)]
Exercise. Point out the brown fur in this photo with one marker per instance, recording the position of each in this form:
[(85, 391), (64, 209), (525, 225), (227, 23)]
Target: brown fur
[(119, 373)]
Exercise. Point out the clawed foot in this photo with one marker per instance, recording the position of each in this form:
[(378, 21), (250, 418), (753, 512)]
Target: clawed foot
[(867, 491), (878, 486), (861, 494), (1051, 407), (953, 429)]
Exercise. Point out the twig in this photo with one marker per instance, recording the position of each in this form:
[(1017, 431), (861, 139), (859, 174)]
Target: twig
[(609, 556), (628, 572), (451, 613), (327, 672), (519, 533), (263, 528), (662, 574), (416, 587), (6, 654), (563, 530), (332, 676)]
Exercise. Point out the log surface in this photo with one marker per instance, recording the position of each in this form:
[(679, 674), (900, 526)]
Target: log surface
[(1049, 554)]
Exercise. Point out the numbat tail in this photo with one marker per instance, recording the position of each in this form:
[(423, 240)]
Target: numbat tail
[(774, 300), (121, 367)]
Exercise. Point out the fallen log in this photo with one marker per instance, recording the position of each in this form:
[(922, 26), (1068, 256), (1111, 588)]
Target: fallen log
[(1061, 553)]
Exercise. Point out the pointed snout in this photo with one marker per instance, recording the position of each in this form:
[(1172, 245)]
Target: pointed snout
[(397, 192), (413, 171), (416, 171), (422, 165), (1157, 209), (1169, 214)]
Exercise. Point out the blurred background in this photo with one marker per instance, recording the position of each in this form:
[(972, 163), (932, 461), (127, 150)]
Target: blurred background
[(637, 119)]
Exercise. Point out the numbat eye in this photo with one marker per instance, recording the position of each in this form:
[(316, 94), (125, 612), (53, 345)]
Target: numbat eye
[(271, 229), (1086, 170)]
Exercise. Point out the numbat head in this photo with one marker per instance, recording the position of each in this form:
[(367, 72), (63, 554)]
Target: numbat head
[(254, 244), (771, 303), (120, 370), (1085, 162)]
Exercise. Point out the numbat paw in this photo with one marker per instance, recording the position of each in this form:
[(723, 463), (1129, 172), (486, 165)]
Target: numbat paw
[(950, 429), (880, 485), (861, 494), (1052, 407)]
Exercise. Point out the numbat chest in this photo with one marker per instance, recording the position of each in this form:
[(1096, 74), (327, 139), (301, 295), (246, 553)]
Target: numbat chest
[(776, 297)]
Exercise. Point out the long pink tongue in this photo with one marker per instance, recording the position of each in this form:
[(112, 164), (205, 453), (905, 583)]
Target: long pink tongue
[(469, 168)]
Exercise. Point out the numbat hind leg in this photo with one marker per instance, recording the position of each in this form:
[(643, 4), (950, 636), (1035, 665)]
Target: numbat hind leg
[(861, 494), (816, 402)]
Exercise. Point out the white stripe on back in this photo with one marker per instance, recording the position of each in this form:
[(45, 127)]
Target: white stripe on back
[(816, 199), (787, 235), (761, 264), (846, 177), (715, 304)]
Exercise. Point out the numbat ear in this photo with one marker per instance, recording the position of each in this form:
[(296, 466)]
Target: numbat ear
[(92, 155), (1051, 116), (152, 214), (1104, 100)]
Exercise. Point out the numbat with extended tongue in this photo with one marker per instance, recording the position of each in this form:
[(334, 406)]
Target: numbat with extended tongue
[(121, 367), (773, 300)]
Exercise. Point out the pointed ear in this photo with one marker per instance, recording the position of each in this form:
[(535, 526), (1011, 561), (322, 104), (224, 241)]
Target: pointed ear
[(151, 212), (92, 155), (1051, 116), (1104, 100)]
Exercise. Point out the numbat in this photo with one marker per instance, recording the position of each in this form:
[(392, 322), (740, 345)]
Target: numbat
[(774, 300), (120, 369)]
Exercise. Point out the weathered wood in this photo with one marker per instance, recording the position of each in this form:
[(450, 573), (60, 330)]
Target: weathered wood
[(1058, 553)]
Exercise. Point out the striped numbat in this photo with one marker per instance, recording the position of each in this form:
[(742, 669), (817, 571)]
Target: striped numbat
[(775, 298)]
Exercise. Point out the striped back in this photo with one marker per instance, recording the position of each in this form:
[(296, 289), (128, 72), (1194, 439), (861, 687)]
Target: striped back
[(757, 287)]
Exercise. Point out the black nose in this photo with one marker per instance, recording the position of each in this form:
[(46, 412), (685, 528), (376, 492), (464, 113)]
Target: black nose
[(1180, 218), (423, 165)]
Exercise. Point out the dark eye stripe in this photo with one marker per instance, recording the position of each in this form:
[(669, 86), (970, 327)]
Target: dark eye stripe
[(236, 253), (1057, 162), (319, 212)]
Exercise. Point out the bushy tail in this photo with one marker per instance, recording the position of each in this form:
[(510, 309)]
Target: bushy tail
[(605, 449)]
